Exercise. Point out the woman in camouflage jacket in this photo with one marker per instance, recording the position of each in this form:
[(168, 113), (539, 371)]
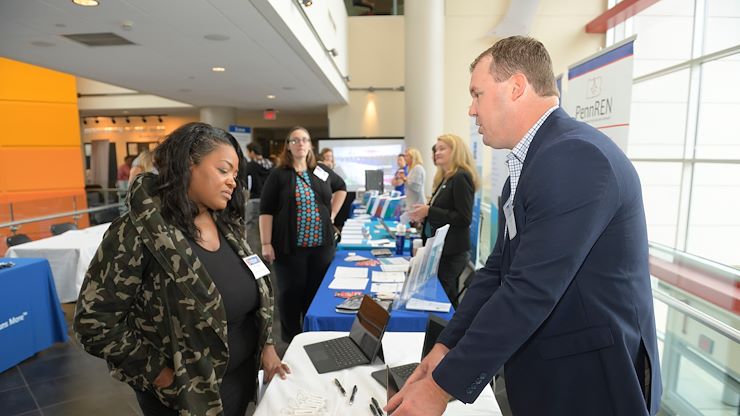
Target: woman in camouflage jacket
[(148, 306)]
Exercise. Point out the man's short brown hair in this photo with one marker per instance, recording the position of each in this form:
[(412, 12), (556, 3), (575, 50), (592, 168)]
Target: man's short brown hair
[(521, 54)]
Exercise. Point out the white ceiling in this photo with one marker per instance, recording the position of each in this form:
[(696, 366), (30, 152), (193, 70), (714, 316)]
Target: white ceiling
[(171, 58)]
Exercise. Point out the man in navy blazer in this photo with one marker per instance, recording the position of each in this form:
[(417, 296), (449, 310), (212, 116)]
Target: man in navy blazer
[(564, 302)]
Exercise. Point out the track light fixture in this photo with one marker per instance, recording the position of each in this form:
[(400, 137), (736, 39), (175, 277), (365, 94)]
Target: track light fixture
[(333, 52), (126, 118), (307, 3)]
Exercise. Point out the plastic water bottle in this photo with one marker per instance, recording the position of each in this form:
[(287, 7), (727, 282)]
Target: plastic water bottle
[(400, 238)]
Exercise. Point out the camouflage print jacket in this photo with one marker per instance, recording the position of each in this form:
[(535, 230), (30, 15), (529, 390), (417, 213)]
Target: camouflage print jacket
[(148, 303)]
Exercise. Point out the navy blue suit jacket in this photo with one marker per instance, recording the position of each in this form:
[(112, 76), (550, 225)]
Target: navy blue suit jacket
[(566, 305)]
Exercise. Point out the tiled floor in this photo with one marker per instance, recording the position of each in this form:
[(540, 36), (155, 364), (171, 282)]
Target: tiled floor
[(64, 381)]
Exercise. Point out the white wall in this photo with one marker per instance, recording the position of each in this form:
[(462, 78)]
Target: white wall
[(376, 48), (376, 58)]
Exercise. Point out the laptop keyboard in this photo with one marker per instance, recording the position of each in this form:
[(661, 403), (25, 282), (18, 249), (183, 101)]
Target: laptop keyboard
[(404, 371), (344, 352)]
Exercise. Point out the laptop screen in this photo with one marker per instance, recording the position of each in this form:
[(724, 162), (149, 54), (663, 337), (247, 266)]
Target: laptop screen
[(368, 327), (435, 326), (387, 229)]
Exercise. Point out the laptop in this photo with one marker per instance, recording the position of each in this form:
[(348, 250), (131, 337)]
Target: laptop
[(435, 326), (362, 345), (387, 229)]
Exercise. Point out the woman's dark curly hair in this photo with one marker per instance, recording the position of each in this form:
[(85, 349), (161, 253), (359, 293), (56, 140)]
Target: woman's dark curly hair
[(182, 148)]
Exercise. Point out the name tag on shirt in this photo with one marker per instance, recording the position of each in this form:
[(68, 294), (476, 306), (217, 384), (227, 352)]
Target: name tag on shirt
[(259, 270), (510, 220), (320, 173)]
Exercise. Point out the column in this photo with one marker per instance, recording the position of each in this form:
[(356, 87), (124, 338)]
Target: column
[(220, 117), (424, 78)]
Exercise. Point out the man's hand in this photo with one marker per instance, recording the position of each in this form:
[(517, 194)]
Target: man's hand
[(423, 377), (423, 398), (428, 364)]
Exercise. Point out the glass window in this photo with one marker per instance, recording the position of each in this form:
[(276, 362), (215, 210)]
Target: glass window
[(717, 134), (658, 117), (664, 32), (722, 25), (661, 188), (714, 219)]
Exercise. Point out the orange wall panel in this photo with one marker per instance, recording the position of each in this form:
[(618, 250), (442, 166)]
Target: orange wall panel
[(41, 169), (39, 124), (25, 82)]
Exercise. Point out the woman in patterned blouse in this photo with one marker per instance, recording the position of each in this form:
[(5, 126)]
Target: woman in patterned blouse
[(299, 202)]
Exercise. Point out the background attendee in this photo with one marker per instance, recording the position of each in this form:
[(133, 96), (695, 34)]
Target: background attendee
[(326, 157), (564, 301), (143, 163), (297, 209), (256, 170), (168, 284), (125, 169), (451, 203), (399, 179), (415, 180)]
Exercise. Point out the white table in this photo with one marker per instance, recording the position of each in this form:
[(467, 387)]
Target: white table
[(69, 254), (399, 347)]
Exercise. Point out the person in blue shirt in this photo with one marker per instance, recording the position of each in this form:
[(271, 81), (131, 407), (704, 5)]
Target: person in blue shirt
[(399, 179)]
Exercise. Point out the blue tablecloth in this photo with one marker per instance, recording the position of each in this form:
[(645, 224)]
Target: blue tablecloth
[(322, 317), (31, 318)]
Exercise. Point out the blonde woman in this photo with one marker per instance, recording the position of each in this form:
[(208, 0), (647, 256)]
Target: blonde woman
[(452, 203), (143, 163), (415, 178)]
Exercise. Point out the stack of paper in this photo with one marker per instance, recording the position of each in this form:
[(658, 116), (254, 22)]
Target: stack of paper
[(349, 278), (386, 287), (427, 305), (388, 277)]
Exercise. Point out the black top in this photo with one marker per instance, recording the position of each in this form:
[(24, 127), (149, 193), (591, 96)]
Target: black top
[(453, 204), (258, 170), (278, 200), (238, 289)]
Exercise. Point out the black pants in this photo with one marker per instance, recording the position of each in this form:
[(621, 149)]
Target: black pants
[(449, 271), (299, 276), (236, 392)]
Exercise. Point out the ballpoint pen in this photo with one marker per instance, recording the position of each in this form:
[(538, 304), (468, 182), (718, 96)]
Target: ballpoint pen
[(352, 396), (377, 406), (372, 409), (344, 393)]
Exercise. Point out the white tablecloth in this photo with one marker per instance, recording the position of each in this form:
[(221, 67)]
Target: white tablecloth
[(69, 255), (399, 348)]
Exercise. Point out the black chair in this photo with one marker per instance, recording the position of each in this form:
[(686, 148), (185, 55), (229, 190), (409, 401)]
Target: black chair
[(14, 240), (465, 279), (63, 227)]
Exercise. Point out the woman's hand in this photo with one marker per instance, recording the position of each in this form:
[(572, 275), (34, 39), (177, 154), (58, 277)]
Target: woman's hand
[(418, 212), (165, 378), (272, 365), (268, 253)]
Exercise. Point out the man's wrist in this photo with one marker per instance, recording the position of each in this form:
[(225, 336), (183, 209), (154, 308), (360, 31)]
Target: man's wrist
[(266, 244)]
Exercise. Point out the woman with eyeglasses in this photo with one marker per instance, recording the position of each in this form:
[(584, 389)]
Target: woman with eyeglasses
[(299, 202)]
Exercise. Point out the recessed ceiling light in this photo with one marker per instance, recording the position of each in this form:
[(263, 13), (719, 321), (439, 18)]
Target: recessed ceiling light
[(216, 36), (218, 69), (60, 25), (184, 90), (270, 96), (288, 88), (86, 3)]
